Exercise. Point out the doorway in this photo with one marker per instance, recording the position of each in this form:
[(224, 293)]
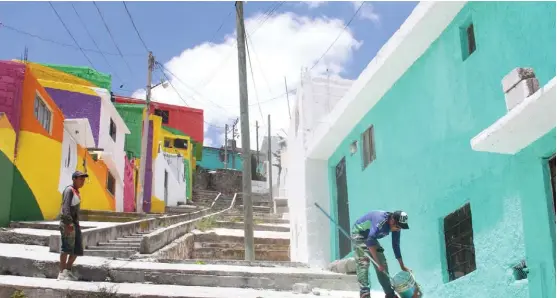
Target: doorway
[(166, 188), (343, 216)]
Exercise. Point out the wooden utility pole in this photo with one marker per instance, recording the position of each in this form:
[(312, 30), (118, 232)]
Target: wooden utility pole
[(234, 135), (226, 146), (270, 158), (257, 140), (244, 115), (287, 99), (145, 136)]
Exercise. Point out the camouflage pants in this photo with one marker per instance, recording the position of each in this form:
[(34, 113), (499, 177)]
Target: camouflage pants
[(361, 253)]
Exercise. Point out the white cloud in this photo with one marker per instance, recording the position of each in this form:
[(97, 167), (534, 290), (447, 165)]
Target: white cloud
[(279, 48), (367, 12), (314, 4)]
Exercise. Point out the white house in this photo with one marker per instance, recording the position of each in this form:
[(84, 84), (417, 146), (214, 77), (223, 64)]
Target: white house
[(315, 98)]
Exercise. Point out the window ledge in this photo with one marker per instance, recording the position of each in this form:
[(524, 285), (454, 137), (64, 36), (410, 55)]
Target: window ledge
[(521, 126)]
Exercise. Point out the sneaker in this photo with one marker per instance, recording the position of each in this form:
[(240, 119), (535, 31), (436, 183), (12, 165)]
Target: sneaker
[(71, 275), (63, 275)]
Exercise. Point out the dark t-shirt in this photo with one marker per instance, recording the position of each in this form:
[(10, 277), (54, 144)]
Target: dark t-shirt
[(70, 212)]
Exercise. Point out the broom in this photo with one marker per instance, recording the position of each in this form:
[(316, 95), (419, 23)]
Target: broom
[(370, 258)]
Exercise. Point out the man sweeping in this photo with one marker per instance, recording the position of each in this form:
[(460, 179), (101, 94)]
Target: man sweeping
[(365, 234), (72, 244)]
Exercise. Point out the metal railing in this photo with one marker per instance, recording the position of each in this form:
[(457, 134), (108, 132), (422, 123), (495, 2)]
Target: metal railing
[(215, 200)]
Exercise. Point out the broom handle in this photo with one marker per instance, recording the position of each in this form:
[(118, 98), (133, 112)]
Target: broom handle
[(348, 236)]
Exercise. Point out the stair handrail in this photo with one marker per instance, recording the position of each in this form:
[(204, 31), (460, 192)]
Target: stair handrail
[(215, 201)]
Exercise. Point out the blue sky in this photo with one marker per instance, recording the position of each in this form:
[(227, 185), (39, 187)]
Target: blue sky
[(170, 28)]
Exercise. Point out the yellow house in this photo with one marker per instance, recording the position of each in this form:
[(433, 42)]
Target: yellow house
[(178, 143)]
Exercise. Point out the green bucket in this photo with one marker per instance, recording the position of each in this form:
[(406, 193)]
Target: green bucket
[(404, 284)]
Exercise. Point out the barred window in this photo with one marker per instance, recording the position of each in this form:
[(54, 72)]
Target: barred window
[(459, 243), (42, 113)]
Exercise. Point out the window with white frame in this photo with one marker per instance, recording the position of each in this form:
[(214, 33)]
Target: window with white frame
[(42, 113)]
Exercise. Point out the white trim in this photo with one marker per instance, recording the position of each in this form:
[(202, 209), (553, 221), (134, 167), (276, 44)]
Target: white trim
[(524, 124), (419, 31), (105, 96), (84, 137)]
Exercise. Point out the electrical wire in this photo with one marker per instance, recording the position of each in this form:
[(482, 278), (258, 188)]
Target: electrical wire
[(23, 32), (182, 98), (95, 43), (135, 27), (339, 35), (71, 35), (112, 37), (189, 87), (254, 85)]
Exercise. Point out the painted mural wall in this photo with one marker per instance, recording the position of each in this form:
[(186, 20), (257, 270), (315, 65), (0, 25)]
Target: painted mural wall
[(7, 149), (425, 166)]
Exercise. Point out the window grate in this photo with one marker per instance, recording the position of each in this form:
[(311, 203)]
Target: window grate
[(42, 113), (459, 243), (368, 146)]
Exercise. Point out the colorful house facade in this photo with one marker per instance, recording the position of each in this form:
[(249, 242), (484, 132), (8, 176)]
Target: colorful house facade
[(81, 99), (427, 128), (34, 136)]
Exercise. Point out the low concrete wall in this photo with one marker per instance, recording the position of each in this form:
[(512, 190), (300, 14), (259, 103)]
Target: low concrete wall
[(152, 242), (180, 249), (27, 239), (92, 237)]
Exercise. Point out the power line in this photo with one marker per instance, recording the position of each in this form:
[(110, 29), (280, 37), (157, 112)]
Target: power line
[(135, 27), (22, 32), (254, 86), (189, 87), (340, 34), (221, 25), (216, 70), (71, 35), (95, 43), (112, 37), (180, 95)]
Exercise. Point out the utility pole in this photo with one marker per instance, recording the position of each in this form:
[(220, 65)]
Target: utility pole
[(234, 135), (226, 146), (287, 99), (244, 114), (270, 158), (257, 140), (145, 136)]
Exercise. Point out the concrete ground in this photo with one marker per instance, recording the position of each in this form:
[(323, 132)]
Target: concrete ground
[(35, 287)]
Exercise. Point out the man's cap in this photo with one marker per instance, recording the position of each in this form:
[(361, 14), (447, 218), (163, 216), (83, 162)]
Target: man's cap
[(78, 174), (401, 219)]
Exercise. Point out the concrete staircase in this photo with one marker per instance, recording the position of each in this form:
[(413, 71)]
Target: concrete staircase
[(120, 248)]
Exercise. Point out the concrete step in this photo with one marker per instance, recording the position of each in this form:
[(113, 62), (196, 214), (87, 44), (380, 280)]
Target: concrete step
[(256, 227), (120, 244), (110, 253), (33, 287), (266, 220), (238, 254), (136, 237), (262, 209), (229, 245), (282, 210), (37, 261), (214, 238), (256, 214), (107, 247), (126, 240), (266, 264)]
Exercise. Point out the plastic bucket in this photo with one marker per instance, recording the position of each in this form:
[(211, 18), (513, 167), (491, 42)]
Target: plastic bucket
[(404, 284)]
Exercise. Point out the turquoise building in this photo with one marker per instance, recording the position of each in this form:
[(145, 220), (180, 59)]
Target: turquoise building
[(212, 159), (426, 129)]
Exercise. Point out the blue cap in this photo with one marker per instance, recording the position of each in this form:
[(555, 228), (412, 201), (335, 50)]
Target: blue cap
[(78, 174)]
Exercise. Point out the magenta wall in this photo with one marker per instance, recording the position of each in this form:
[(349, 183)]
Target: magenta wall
[(129, 191), (12, 75)]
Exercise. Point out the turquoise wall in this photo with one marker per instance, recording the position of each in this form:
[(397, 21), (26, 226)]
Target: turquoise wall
[(425, 165), (211, 160)]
